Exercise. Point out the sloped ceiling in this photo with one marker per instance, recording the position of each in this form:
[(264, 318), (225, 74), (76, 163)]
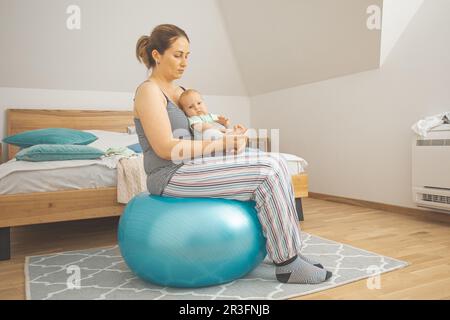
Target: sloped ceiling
[(287, 43), (239, 47)]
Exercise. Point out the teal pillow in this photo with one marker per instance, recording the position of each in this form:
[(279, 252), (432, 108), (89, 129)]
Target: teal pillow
[(50, 136), (58, 152), (135, 147)]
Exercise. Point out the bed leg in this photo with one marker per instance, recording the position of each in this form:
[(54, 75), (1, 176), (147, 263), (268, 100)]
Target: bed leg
[(5, 243), (299, 207)]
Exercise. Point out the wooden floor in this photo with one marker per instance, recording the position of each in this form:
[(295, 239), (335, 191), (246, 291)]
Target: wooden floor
[(423, 242)]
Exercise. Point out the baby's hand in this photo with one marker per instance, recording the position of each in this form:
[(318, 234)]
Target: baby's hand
[(239, 129), (223, 121)]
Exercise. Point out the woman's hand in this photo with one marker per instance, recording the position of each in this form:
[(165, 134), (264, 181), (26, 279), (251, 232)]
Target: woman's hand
[(234, 143), (240, 147), (229, 144)]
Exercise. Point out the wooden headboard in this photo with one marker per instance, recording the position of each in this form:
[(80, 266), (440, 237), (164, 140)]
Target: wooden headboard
[(19, 120)]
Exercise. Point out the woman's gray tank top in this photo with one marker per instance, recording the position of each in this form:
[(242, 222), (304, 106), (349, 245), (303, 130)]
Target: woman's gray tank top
[(159, 171)]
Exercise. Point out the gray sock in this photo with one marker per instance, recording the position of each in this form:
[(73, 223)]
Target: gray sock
[(296, 270), (314, 263)]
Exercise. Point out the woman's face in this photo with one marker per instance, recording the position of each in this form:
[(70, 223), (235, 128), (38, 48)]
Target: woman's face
[(173, 62)]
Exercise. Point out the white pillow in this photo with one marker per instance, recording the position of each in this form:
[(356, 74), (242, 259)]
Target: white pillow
[(110, 139)]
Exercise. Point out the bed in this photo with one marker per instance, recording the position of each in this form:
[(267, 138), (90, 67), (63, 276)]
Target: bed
[(19, 209)]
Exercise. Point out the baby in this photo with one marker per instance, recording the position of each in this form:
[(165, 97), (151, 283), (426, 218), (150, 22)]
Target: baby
[(205, 125)]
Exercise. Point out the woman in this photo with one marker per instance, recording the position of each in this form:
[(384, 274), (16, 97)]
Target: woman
[(168, 149)]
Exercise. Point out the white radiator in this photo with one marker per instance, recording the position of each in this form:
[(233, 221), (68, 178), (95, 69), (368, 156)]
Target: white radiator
[(431, 169)]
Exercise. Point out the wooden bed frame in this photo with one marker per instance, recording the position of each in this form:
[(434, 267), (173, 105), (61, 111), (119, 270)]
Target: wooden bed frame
[(44, 207)]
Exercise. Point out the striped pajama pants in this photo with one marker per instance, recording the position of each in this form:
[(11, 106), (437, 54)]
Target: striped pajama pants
[(258, 176)]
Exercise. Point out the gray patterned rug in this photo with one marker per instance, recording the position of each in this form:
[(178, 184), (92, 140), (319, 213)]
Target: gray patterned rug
[(102, 274)]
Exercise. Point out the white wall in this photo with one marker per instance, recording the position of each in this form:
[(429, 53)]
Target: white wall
[(355, 130), (235, 107)]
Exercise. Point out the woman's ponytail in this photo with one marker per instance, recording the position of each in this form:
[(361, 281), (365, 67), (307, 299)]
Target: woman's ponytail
[(142, 46)]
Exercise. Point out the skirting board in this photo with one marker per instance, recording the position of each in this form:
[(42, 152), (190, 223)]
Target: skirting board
[(423, 214)]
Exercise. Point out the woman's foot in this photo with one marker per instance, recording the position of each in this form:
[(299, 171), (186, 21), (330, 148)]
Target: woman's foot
[(314, 263), (296, 270)]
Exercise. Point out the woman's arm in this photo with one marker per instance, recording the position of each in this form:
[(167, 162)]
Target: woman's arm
[(150, 105)]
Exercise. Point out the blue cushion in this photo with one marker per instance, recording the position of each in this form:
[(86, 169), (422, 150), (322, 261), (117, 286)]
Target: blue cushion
[(50, 136), (58, 152), (135, 147)]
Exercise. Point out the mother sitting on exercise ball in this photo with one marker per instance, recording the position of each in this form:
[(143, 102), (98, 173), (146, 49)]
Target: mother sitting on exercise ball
[(170, 152)]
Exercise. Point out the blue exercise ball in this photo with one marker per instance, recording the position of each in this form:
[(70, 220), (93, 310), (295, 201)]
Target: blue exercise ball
[(190, 242)]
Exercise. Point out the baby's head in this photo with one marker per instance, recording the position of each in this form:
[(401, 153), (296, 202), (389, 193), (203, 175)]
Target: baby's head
[(192, 104)]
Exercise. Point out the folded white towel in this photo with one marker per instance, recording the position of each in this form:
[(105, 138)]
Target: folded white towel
[(422, 127)]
